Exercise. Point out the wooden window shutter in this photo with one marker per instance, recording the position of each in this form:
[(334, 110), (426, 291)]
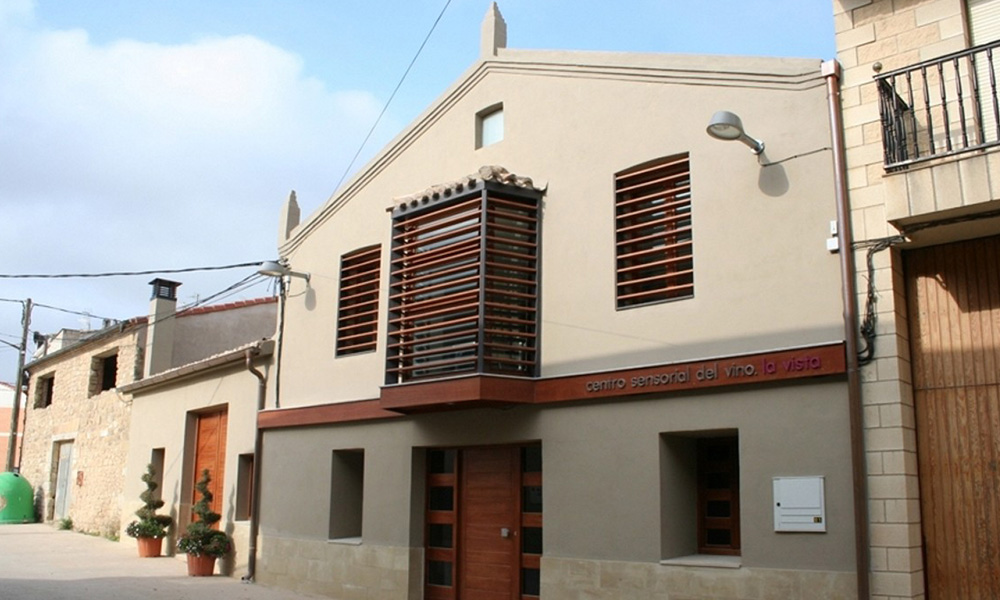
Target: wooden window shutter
[(357, 309), (653, 232)]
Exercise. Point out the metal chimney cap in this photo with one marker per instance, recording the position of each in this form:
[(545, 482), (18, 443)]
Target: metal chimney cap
[(164, 289)]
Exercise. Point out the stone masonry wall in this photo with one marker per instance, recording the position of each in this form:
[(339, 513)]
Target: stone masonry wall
[(98, 426), (363, 571), (372, 572), (896, 34), (571, 579)]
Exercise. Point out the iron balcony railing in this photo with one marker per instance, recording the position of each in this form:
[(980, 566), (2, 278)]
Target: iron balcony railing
[(940, 107)]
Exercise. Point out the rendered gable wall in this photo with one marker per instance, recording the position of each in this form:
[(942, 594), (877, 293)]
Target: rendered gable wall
[(572, 121), (618, 510)]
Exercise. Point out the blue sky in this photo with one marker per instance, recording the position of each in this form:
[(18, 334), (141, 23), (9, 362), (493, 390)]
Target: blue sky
[(166, 133)]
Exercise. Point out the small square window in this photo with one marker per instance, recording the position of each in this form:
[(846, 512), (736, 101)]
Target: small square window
[(489, 126), (44, 390), (103, 373)]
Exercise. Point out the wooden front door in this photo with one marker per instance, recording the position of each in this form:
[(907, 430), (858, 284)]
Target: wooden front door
[(64, 489), (954, 311), (488, 523), (210, 453), (484, 523)]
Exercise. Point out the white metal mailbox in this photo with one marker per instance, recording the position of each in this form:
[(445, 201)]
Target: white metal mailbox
[(799, 504)]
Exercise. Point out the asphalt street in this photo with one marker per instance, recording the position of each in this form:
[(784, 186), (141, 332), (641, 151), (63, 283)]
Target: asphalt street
[(39, 562)]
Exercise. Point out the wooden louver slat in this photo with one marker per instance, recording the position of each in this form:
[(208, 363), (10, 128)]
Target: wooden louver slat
[(463, 290), (357, 306), (654, 232)]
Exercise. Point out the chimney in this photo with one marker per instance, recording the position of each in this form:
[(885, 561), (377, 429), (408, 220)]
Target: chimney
[(493, 34), (160, 334)]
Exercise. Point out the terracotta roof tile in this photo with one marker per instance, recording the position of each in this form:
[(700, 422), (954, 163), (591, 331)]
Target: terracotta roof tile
[(485, 173), (200, 310)]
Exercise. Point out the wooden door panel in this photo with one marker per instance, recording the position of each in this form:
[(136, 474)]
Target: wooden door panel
[(63, 487), (210, 453), (488, 505), (487, 555), (954, 311)]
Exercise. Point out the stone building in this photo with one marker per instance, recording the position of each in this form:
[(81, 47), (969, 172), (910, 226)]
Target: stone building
[(76, 427), (556, 341), (920, 125), (77, 420)]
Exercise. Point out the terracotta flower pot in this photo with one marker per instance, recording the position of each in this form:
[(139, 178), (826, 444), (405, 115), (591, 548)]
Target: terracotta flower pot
[(200, 566), (149, 547)]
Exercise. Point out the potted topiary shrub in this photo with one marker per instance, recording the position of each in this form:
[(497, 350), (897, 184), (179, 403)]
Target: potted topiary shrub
[(200, 542), (151, 528)]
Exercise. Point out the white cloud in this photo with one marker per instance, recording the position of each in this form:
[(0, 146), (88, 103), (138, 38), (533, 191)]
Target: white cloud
[(133, 129), (204, 115), (133, 155)]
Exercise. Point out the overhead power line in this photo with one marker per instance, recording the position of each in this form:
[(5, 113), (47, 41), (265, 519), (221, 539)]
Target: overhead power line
[(393, 94), (73, 312), (242, 285), (124, 273)]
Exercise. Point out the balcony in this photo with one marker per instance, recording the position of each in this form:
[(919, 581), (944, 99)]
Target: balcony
[(940, 108), (463, 292)]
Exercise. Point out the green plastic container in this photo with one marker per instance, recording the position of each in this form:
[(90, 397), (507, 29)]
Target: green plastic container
[(16, 499)]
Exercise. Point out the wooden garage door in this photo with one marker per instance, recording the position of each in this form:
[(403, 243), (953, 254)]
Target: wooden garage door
[(954, 312)]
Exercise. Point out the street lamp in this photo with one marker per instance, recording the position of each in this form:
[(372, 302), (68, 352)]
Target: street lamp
[(727, 126)]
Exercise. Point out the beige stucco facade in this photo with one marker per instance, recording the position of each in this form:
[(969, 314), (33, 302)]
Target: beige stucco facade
[(572, 121), (164, 432), (879, 36), (607, 486), (619, 516)]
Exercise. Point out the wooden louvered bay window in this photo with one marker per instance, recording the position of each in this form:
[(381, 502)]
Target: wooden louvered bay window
[(653, 232), (357, 309), (464, 286)]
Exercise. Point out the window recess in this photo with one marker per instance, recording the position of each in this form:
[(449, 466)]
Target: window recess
[(700, 498), (45, 390), (464, 284), (653, 232), (347, 483), (103, 373)]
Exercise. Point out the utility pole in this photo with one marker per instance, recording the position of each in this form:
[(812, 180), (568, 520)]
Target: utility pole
[(18, 383)]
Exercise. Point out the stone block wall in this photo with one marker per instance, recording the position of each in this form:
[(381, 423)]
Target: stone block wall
[(566, 579), (884, 35), (338, 570), (96, 423), (373, 572)]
